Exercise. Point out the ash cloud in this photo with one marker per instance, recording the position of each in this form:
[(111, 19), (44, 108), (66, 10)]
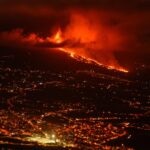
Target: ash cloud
[(126, 21), (17, 38)]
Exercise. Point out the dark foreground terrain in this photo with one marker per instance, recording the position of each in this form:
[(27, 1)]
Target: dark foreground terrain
[(82, 108)]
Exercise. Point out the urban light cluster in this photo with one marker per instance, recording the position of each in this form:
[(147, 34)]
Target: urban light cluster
[(47, 139)]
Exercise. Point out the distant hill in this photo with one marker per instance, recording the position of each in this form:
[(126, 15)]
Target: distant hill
[(48, 59)]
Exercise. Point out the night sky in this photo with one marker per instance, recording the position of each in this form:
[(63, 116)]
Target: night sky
[(128, 19)]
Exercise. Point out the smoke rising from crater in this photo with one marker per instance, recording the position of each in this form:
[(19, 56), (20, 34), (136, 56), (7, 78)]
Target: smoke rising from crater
[(93, 28)]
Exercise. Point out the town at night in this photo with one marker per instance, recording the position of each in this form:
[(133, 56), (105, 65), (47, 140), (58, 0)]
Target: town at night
[(74, 75)]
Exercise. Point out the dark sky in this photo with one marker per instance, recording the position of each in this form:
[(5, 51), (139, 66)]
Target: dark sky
[(131, 18), (37, 13)]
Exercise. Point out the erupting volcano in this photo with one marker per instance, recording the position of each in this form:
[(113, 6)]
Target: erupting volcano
[(79, 53), (84, 38)]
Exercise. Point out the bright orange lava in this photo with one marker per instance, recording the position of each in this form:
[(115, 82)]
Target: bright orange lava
[(72, 53), (57, 37)]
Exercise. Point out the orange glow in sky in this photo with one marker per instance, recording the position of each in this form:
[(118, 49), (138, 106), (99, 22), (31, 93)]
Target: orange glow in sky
[(80, 55)]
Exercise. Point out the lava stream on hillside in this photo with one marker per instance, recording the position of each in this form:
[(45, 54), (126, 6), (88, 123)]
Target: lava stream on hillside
[(62, 45)]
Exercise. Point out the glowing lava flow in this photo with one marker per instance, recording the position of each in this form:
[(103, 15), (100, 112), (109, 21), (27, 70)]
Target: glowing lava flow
[(58, 39)]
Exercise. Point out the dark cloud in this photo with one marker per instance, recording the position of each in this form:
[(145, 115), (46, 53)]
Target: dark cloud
[(132, 4)]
